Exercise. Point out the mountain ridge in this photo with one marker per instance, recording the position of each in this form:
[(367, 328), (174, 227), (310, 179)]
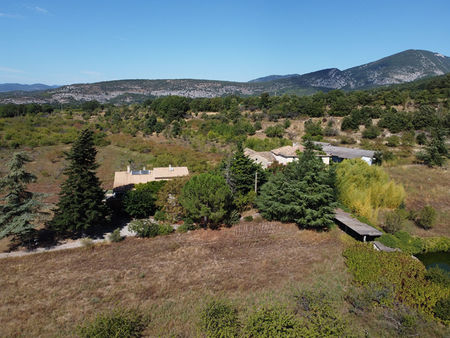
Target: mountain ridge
[(10, 87), (398, 68), (406, 66)]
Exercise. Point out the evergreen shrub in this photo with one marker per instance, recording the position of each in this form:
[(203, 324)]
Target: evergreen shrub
[(426, 218), (406, 275), (272, 322), (219, 319), (393, 222), (119, 323)]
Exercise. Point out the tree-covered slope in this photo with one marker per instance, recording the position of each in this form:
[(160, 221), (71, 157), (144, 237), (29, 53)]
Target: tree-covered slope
[(400, 68)]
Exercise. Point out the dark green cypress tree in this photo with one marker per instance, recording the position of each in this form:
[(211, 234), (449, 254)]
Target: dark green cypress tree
[(80, 207), (19, 206), (303, 193), (239, 171)]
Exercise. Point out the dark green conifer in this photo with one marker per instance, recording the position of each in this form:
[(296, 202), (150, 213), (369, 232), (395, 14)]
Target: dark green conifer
[(81, 206), (19, 207), (302, 193), (436, 152), (240, 173)]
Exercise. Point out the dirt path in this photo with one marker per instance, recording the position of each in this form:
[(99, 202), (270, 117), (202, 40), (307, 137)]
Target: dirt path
[(124, 232)]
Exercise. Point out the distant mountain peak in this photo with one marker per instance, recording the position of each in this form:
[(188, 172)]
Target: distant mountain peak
[(402, 67), (10, 87), (406, 66)]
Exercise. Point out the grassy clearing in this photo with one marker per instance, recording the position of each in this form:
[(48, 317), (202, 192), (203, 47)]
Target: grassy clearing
[(425, 186), (170, 277)]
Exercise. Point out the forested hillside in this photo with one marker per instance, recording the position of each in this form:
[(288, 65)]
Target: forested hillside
[(399, 68)]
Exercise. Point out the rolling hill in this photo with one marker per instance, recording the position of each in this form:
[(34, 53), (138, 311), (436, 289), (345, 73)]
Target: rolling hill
[(11, 87), (399, 68)]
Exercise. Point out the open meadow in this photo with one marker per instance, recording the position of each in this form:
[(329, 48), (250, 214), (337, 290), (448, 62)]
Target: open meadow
[(171, 277)]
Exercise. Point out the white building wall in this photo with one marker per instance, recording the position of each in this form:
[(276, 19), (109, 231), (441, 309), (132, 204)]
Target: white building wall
[(283, 160), (325, 159), (367, 159)]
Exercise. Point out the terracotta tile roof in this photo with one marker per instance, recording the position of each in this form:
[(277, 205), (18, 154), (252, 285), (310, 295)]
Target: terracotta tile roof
[(288, 151), (265, 158), (127, 178)]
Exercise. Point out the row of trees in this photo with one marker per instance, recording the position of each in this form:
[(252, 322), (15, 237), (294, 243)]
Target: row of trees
[(81, 206), (12, 110), (335, 102), (303, 192)]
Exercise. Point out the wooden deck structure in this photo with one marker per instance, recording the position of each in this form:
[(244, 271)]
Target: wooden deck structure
[(381, 247), (355, 228)]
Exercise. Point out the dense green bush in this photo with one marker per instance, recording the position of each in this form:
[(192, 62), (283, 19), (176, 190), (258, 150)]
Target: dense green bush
[(275, 131), (442, 309), (272, 322), (140, 202), (313, 129), (168, 198), (147, 228), (438, 276), (160, 216), (165, 229), (396, 121), (436, 151), (398, 270), (426, 218), (393, 141), (185, 227), (144, 228), (393, 222), (119, 323), (371, 132), (219, 319), (207, 198), (421, 139)]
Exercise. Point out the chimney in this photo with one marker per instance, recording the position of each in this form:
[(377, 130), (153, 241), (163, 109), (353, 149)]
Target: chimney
[(128, 168)]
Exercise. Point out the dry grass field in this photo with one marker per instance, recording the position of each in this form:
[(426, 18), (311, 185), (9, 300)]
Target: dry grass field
[(426, 186), (169, 277)]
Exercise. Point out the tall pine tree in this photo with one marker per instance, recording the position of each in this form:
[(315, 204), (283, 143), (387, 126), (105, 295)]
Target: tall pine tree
[(242, 173), (80, 207), (19, 206), (302, 193)]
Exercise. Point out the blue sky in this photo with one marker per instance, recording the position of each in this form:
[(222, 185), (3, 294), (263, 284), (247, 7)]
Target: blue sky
[(62, 42)]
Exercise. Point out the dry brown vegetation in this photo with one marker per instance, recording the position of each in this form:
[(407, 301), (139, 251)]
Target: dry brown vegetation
[(426, 186), (170, 277)]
